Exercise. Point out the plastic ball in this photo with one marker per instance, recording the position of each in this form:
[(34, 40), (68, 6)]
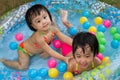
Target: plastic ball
[(100, 35), (62, 66), (19, 36), (83, 19), (13, 45), (53, 72), (68, 76), (73, 31), (102, 41), (92, 29), (107, 23), (101, 28), (86, 25), (113, 30), (101, 48), (98, 20), (1, 76), (57, 43), (65, 49), (108, 72), (43, 72), (52, 63), (90, 78), (100, 56), (105, 59), (85, 13), (114, 44), (116, 36), (32, 73), (101, 76)]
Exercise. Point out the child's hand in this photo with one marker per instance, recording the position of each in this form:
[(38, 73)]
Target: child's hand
[(64, 15), (68, 59)]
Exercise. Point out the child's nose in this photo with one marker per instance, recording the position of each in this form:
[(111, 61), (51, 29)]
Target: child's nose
[(82, 61), (44, 21)]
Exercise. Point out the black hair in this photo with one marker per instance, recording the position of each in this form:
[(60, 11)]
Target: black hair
[(34, 11), (81, 39)]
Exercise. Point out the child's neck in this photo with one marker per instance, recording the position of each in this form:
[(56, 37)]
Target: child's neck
[(45, 31)]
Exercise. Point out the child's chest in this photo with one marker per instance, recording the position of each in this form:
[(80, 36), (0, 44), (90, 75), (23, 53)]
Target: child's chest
[(48, 37)]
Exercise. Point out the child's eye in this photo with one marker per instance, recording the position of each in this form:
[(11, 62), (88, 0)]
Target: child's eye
[(38, 21), (87, 56), (78, 56), (44, 17)]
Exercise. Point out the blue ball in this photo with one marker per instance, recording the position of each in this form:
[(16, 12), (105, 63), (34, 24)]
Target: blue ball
[(13, 45), (86, 25), (32, 73), (73, 31), (62, 67), (86, 14), (114, 44), (43, 72), (101, 28), (1, 76)]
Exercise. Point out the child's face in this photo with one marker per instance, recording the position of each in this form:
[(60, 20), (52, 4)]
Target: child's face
[(84, 59), (41, 22)]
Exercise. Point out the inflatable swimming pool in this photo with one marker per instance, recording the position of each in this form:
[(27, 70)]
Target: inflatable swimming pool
[(13, 23)]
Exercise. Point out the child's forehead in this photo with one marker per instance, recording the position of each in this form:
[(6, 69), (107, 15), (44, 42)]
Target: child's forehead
[(87, 49), (38, 13)]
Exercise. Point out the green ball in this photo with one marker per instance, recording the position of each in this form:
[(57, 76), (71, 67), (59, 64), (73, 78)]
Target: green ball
[(100, 34), (93, 73), (101, 48), (108, 72), (101, 76), (113, 30), (102, 41), (90, 78), (116, 36)]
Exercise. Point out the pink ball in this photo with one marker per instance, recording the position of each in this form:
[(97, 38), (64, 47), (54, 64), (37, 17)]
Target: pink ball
[(100, 56), (107, 23), (19, 36), (66, 49), (52, 63), (57, 43)]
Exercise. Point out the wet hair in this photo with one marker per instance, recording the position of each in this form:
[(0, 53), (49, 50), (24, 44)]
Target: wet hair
[(85, 38), (33, 12)]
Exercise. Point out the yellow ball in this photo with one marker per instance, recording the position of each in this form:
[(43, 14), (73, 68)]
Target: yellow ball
[(105, 59), (98, 20), (83, 19), (92, 29), (68, 76), (53, 72)]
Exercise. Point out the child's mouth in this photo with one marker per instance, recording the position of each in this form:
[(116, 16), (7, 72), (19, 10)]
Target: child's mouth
[(83, 66)]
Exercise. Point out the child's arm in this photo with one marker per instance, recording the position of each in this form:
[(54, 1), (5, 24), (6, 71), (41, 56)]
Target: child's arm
[(46, 48), (64, 15), (71, 65), (71, 29), (62, 36)]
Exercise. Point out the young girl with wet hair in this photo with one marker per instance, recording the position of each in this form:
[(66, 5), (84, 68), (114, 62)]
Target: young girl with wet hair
[(40, 21)]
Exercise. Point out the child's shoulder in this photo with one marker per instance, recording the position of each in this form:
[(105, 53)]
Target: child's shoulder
[(97, 61)]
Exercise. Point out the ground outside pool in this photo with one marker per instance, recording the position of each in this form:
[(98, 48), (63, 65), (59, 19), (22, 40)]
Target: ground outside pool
[(86, 15)]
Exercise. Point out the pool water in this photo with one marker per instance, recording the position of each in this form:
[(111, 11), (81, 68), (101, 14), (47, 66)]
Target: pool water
[(14, 26)]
